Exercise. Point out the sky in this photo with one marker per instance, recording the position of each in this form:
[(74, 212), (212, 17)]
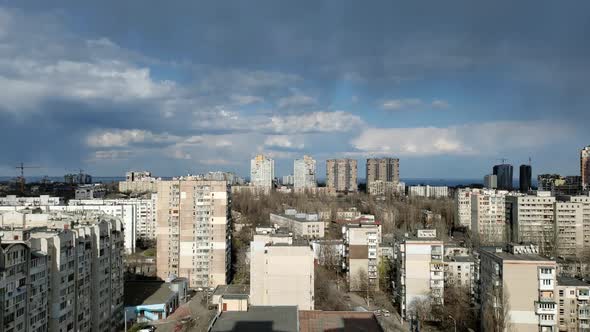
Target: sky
[(177, 87)]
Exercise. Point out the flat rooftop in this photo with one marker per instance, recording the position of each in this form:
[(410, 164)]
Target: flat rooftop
[(568, 281), (232, 290), (506, 256), (146, 292), (258, 319), (460, 259), (345, 321)]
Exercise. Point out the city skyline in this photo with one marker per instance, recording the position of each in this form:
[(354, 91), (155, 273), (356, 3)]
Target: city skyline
[(445, 88)]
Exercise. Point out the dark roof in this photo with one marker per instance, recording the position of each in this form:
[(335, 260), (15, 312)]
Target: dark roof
[(460, 259), (568, 281), (232, 290), (345, 321), (258, 319), (146, 292), (235, 296)]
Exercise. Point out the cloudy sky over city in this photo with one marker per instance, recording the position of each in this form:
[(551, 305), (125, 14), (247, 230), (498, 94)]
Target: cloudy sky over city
[(449, 87)]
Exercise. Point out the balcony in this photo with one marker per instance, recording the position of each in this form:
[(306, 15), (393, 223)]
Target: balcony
[(584, 314), (584, 324), (545, 308), (547, 320), (546, 287), (583, 295)]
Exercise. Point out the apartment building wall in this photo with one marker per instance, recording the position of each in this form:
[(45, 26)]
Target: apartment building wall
[(361, 248), (341, 174), (585, 167), (282, 275), (262, 171), (573, 308), (463, 207), (488, 217), (382, 169), (420, 273), (15, 261), (532, 220), (569, 228), (460, 272), (13, 200), (304, 173), (585, 202), (309, 228), (522, 285), (193, 231)]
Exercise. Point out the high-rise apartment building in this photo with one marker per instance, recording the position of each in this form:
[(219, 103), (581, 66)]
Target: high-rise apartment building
[(382, 169), (193, 231), (419, 274), (341, 174), (463, 206), (531, 218), (488, 216), (525, 178), (69, 272), (574, 309), (517, 290), (282, 275), (262, 171), (504, 174), (490, 181), (361, 243), (585, 167), (584, 201), (304, 171)]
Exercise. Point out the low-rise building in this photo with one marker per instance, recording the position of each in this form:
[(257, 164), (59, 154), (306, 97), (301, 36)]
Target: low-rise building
[(301, 224), (43, 200), (90, 191), (147, 301), (348, 214)]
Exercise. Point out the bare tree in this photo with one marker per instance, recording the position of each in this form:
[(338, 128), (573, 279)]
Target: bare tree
[(420, 309), (496, 309)]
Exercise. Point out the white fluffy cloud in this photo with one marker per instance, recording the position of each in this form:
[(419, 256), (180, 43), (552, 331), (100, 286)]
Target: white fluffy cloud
[(486, 138), (284, 141)]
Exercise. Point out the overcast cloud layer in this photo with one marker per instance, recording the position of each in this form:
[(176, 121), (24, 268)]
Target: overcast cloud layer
[(449, 87)]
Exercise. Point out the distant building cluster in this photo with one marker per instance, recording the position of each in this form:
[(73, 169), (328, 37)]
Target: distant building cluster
[(428, 191), (138, 182)]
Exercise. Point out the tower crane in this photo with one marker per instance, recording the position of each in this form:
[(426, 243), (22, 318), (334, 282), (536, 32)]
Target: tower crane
[(21, 178)]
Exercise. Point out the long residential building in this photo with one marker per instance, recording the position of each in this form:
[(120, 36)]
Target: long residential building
[(193, 231), (65, 274), (304, 173), (428, 191), (43, 200), (301, 224), (341, 175), (532, 220), (262, 171), (138, 182), (517, 290), (144, 211)]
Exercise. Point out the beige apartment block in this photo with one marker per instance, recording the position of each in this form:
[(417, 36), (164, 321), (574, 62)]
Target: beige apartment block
[(488, 217), (420, 271), (282, 275), (521, 284), (301, 224), (532, 220), (341, 175), (569, 229), (361, 255), (193, 231), (382, 175), (574, 309), (585, 202), (460, 272), (304, 173)]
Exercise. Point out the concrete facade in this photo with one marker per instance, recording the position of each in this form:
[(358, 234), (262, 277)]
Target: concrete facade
[(341, 175), (193, 231), (488, 217), (301, 224), (532, 220), (282, 275), (262, 171), (361, 254), (304, 173)]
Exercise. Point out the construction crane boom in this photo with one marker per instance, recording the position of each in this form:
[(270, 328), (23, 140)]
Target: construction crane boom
[(21, 179)]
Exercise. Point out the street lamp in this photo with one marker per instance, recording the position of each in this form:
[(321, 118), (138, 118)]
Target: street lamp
[(454, 322)]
